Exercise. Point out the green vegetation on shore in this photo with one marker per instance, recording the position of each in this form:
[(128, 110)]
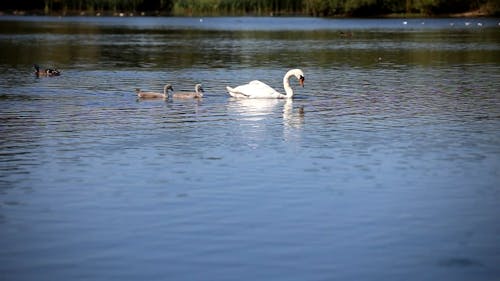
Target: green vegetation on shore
[(361, 8)]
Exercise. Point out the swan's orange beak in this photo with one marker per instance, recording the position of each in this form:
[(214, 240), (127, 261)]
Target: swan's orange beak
[(301, 81)]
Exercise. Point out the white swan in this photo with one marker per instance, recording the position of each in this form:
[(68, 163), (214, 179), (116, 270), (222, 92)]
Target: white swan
[(154, 95), (198, 93), (258, 90)]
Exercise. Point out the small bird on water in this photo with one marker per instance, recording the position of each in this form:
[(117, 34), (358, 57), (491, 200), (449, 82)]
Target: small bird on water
[(301, 110), (46, 72), (154, 95), (197, 94)]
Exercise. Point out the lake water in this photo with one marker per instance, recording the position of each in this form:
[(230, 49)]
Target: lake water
[(392, 172)]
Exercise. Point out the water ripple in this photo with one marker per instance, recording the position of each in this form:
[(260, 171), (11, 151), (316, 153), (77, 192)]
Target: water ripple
[(390, 149)]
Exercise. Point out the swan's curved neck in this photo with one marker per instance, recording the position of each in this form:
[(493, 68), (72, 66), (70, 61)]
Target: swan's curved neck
[(286, 84)]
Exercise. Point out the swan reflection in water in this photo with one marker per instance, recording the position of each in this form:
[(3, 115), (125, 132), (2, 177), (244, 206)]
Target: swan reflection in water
[(254, 109), (293, 121), (293, 117), (260, 117)]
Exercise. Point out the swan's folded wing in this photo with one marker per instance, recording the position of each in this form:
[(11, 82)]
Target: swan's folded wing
[(234, 92), (262, 87), (258, 89), (254, 89)]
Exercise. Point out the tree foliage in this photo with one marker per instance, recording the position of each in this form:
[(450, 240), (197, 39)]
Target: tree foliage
[(254, 7)]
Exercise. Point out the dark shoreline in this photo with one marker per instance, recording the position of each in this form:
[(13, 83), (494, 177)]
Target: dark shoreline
[(469, 14)]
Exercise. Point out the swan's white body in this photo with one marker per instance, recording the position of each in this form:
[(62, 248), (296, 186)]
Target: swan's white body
[(155, 95), (198, 93), (259, 90)]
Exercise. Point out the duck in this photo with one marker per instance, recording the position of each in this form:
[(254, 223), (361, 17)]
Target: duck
[(258, 90), (46, 72), (301, 110), (154, 95), (197, 94), (347, 34)]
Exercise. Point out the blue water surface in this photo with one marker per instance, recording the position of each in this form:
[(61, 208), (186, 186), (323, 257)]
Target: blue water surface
[(385, 166)]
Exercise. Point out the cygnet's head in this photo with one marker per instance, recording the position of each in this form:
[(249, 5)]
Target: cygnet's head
[(198, 88)]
